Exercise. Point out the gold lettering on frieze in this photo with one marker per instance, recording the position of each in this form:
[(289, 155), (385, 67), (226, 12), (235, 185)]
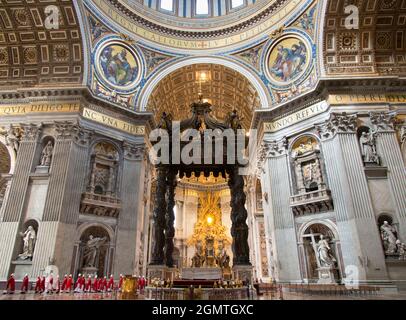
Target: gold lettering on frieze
[(178, 43), (113, 122), (14, 110), (342, 99), (295, 117)]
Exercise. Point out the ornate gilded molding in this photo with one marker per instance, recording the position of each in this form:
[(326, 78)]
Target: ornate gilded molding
[(134, 152), (338, 123), (383, 121)]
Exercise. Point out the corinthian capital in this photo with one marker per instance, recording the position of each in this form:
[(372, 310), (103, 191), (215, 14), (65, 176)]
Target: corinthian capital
[(64, 130), (276, 148), (338, 123), (134, 151), (383, 121), (82, 136), (30, 132)]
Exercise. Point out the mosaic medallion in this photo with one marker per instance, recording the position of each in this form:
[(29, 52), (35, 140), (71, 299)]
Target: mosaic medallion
[(288, 59), (118, 66)]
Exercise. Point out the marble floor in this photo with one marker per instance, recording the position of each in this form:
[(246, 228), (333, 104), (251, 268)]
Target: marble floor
[(113, 296)]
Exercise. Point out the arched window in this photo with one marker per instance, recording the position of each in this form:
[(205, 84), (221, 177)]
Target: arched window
[(236, 3), (202, 7), (166, 5)]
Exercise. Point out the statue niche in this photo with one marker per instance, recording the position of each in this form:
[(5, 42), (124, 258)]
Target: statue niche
[(45, 155), (101, 192), (29, 238), (320, 254), (367, 142), (94, 245)]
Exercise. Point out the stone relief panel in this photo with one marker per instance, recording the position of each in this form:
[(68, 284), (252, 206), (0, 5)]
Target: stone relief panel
[(309, 179), (101, 196), (263, 249)]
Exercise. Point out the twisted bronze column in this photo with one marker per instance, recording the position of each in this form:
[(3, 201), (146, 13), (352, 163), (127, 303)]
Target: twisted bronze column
[(159, 219), (239, 227), (170, 217)]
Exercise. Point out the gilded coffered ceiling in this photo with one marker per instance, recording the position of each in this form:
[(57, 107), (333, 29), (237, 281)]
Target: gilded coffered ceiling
[(378, 46), (224, 88), (34, 53)]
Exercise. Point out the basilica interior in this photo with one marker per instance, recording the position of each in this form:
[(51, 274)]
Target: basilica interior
[(313, 90)]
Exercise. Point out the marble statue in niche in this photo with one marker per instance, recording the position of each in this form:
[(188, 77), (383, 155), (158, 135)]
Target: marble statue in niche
[(12, 140), (367, 142), (46, 154), (91, 249), (324, 253), (401, 249), (389, 238), (29, 238)]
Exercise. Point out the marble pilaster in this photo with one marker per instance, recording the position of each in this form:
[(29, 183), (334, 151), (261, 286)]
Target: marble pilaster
[(389, 150), (13, 207), (282, 220), (359, 236), (131, 197)]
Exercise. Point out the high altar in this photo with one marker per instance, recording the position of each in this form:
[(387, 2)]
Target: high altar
[(210, 260)]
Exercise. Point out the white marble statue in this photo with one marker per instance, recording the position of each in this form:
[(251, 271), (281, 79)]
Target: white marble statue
[(91, 249), (401, 250), (368, 147), (389, 237), (29, 238), (325, 255), (12, 140), (46, 155)]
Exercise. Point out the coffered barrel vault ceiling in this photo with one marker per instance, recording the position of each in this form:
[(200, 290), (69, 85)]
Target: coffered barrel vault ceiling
[(377, 47), (31, 54), (225, 89)]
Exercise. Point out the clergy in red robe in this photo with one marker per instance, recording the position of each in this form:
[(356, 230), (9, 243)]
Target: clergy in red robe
[(11, 285), (69, 284), (95, 284), (104, 284), (110, 285), (78, 283), (83, 282), (42, 286), (88, 287), (64, 283), (57, 284), (38, 285), (120, 282), (99, 284), (24, 285)]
